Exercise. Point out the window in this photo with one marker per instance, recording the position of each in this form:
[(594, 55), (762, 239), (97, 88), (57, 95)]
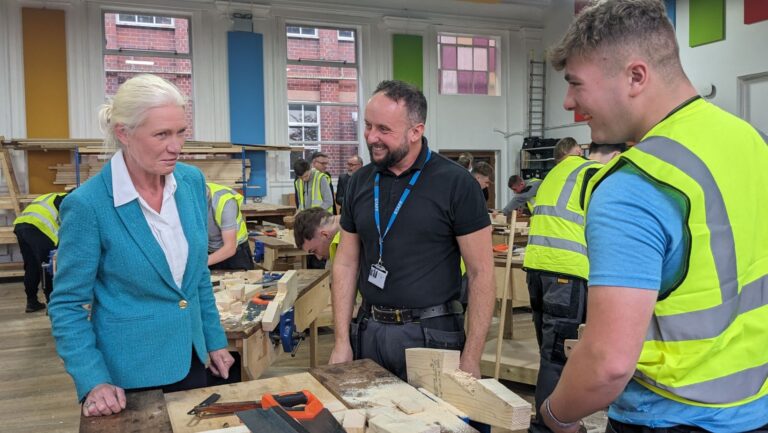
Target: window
[(346, 35), (136, 43), (301, 32), (323, 94), (468, 65), (144, 20)]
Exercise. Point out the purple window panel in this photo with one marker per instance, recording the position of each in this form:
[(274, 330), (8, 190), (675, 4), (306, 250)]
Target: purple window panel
[(481, 83), (480, 42), (465, 82), (492, 59), (448, 56)]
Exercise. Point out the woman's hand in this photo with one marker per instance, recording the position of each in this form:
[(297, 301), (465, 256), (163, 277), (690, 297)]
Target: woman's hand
[(221, 360), (104, 399)]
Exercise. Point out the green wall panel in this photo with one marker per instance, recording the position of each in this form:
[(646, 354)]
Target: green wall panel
[(707, 22), (408, 59)]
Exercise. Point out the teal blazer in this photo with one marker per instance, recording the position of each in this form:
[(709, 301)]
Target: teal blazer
[(142, 326)]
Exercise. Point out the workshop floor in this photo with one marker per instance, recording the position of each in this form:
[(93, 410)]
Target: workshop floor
[(38, 396)]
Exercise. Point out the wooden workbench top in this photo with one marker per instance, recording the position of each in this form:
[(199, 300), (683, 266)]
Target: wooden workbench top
[(144, 412)]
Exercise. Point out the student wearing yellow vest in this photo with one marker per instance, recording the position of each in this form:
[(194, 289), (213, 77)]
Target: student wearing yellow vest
[(677, 236), (312, 187), (228, 246), (317, 232), (320, 162), (37, 229), (556, 262)]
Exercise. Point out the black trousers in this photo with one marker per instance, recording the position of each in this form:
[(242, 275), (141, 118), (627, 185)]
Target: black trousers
[(35, 248), (385, 343), (198, 377), (559, 306), (242, 260), (619, 427)]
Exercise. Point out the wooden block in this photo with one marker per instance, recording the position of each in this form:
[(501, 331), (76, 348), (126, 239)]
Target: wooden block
[(287, 291), (236, 308), (236, 291), (389, 424), (253, 276), (484, 400), (409, 406), (236, 429), (444, 404), (354, 421)]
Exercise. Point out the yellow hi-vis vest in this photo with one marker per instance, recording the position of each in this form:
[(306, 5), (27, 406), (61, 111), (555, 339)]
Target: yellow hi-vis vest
[(334, 245), (531, 203), (705, 345), (42, 214), (315, 195), (556, 241), (220, 195)]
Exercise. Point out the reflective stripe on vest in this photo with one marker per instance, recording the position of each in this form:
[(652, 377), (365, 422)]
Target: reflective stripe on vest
[(556, 241), (315, 193), (531, 203), (220, 195), (42, 214), (705, 343)]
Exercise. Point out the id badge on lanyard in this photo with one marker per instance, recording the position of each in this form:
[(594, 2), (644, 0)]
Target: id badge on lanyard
[(378, 273)]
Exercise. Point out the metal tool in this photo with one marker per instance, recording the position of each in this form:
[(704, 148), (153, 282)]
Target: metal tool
[(213, 398), (286, 333)]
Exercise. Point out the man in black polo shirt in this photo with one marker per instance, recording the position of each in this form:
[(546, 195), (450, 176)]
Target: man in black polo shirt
[(410, 282)]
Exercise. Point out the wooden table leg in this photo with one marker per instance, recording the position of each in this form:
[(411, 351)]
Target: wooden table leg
[(313, 344)]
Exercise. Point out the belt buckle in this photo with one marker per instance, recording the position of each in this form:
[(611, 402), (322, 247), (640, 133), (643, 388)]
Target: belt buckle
[(398, 318)]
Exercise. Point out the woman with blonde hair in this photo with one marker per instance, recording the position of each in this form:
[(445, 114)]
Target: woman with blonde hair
[(133, 245)]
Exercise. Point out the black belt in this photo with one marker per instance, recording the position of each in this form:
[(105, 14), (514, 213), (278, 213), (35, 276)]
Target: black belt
[(399, 316)]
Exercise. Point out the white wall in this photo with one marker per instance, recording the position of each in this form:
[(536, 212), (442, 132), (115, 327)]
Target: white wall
[(740, 58)]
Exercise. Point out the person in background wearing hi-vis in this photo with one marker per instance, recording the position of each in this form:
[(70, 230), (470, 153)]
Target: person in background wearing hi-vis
[(567, 147), (311, 187), (678, 241), (525, 194), (228, 246), (37, 229), (556, 262), (320, 162)]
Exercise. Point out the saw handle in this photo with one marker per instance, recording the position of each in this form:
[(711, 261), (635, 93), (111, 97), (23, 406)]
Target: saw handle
[(302, 405)]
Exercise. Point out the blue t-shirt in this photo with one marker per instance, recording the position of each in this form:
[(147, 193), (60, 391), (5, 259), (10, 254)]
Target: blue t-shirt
[(636, 238)]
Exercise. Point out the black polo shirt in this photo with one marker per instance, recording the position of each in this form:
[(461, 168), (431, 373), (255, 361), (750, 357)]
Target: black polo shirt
[(421, 253)]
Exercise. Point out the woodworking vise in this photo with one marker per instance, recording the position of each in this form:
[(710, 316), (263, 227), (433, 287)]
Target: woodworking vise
[(286, 333)]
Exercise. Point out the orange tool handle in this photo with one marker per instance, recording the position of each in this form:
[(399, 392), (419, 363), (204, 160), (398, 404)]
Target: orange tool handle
[(301, 405)]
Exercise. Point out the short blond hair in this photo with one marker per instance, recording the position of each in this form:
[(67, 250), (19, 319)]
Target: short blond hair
[(563, 147), (130, 104), (617, 28)]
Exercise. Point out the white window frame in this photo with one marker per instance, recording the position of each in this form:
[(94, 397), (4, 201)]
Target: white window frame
[(315, 35), (307, 144), (346, 38), (136, 23)]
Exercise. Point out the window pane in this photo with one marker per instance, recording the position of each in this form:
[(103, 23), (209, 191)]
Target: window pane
[(448, 83), (292, 29), (338, 123), (310, 133), (128, 18), (164, 39), (310, 114), (492, 59), (338, 84), (320, 48), (465, 58), (309, 31), (448, 39), (481, 83), (492, 42), (465, 82), (294, 133), (480, 42), (481, 59), (492, 89), (448, 57), (294, 113), (464, 41)]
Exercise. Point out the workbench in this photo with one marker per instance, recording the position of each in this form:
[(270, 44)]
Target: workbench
[(281, 254), (255, 347), (260, 212)]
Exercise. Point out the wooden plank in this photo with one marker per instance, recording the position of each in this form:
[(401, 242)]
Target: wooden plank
[(11, 269), (181, 402), (7, 237), (519, 360), (364, 384), (10, 179), (484, 400), (145, 411), (284, 299)]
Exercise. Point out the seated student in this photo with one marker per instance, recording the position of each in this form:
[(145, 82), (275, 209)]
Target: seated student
[(37, 229), (228, 246)]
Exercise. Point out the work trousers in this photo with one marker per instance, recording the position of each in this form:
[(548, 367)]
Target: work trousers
[(385, 343), (559, 306), (620, 427), (241, 261), (35, 248)]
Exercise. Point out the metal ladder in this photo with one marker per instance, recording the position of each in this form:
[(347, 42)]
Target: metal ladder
[(537, 71)]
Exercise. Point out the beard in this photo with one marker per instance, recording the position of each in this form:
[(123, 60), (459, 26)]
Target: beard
[(392, 157)]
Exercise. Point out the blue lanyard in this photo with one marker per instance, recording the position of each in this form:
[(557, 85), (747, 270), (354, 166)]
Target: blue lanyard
[(403, 197)]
